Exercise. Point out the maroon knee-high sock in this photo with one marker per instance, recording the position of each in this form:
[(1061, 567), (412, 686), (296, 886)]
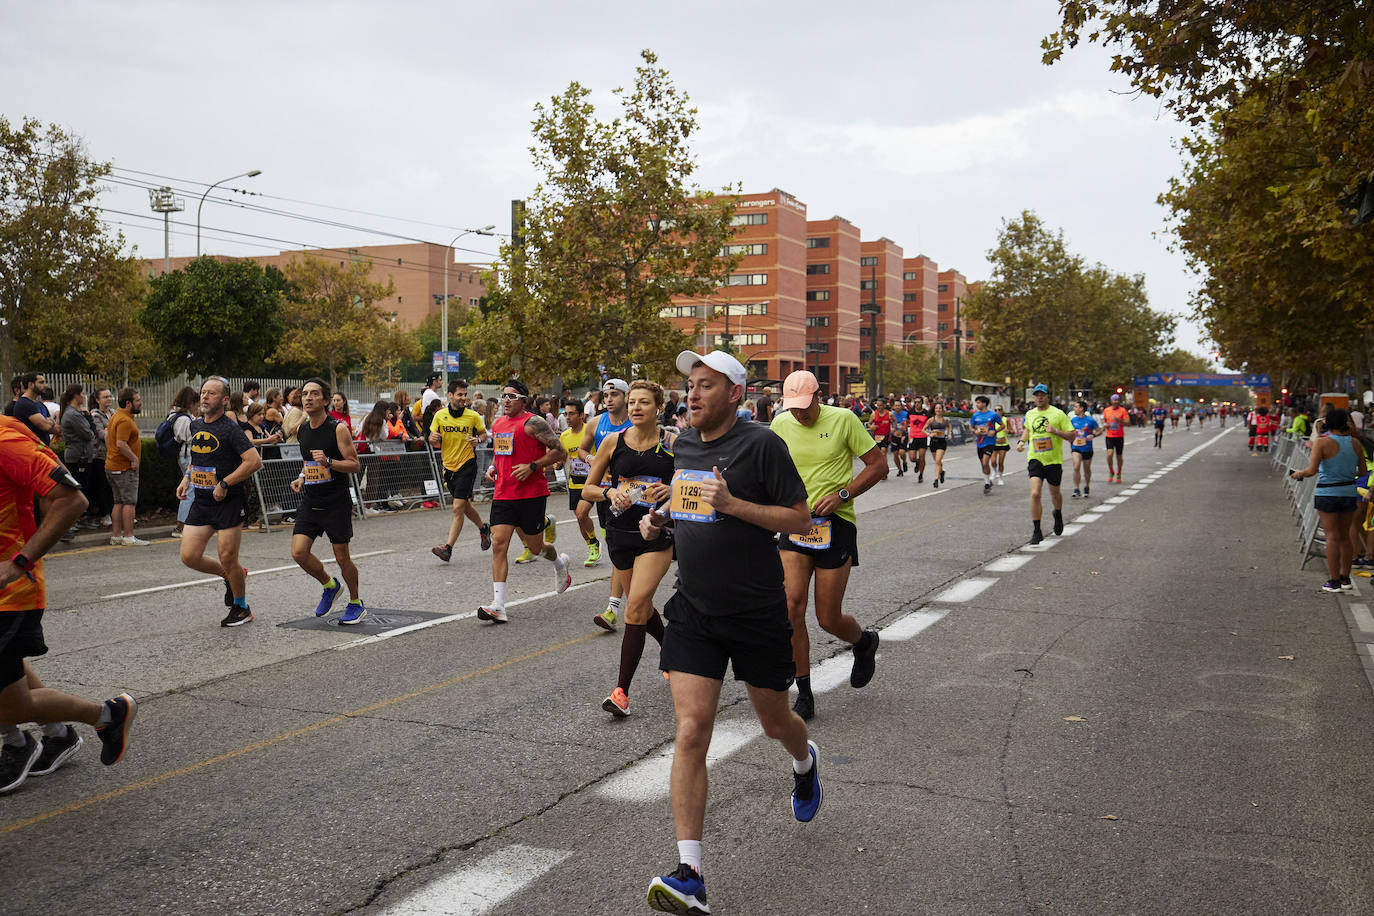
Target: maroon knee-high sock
[(631, 649), (655, 627)]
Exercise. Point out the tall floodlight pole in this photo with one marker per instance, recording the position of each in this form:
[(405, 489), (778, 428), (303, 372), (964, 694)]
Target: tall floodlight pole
[(443, 321), (250, 174), (163, 201)]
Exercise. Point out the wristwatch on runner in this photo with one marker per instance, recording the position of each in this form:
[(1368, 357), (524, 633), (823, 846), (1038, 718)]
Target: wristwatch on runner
[(23, 563), (843, 494)]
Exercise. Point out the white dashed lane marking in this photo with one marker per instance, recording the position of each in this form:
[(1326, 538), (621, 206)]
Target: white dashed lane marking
[(482, 886), (912, 624), (965, 590), (1007, 564)]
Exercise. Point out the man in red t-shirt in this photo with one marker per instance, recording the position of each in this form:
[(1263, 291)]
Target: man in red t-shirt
[(28, 469), (523, 445), (1115, 419)]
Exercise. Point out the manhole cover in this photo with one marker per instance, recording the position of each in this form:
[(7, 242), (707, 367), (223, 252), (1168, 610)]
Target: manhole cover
[(378, 620)]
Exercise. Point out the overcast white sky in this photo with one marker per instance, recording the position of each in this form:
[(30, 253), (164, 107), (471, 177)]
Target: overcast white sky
[(925, 122)]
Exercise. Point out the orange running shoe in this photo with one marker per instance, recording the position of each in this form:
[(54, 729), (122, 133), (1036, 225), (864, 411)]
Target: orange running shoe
[(617, 704)]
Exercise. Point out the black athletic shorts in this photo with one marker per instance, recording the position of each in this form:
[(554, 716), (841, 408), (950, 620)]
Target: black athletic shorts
[(1334, 503), (624, 546), (915, 444), (940, 444), (1116, 443), (844, 545), (986, 450), (897, 443), (1052, 474), (575, 492), (882, 442), (334, 519), (21, 637), (1085, 453), (228, 513), (1002, 447), (526, 514), (755, 642), (461, 481), (603, 514), (1159, 424)]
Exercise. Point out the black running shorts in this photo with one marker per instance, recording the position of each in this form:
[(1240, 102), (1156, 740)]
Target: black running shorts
[(1116, 443), (334, 519), (575, 493), (756, 643), (460, 482), (939, 445), (228, 513), (526, 514), (915, 444), (21, 637), (1052, 474), (986, 450), (883, 442), (624, 546), (844, 546)]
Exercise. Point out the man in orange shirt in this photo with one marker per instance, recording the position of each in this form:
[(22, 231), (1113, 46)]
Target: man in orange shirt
[(28, 469), (1115, 419), (123, 453)]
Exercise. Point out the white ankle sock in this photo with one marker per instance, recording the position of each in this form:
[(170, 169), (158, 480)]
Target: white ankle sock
[(803, 766), (55, 729), (617, 604), (689, 851), (498, 590)]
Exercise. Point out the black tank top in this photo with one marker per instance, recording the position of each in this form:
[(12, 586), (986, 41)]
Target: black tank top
[(318, 487), (627, 465)]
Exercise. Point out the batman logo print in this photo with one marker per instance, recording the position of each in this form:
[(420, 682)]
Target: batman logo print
[(204, 443)]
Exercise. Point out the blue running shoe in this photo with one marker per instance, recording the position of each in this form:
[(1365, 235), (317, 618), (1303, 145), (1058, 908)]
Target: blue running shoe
[(806, 789), (327, 599), (681, 892), (353, 613)]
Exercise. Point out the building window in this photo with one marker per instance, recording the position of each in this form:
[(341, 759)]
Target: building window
[(818, 295), (865, 331), (863, 356), (944, 287), (944, 326), (818, 321), (818, 243), (818, 348), (868, 262), (742, 340), (910, 275), (944, 306), (908, 297), (740, 308), (747, 280), (749, 219), (818, 268), (868, 284), (731, 250)]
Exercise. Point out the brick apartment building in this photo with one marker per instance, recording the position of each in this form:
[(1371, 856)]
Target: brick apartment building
[(763, 306), (880, 283), (833, 338), (416, 268), (920, 300)]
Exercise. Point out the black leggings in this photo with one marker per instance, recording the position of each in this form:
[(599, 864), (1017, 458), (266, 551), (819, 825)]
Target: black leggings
[(96, 486)]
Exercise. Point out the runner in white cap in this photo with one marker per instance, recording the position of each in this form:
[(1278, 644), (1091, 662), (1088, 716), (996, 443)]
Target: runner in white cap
[(823, 442)]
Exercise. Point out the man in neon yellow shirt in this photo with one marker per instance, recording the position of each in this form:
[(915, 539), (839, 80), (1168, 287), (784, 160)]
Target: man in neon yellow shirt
[(823, 442), (1045, 427), (454, 429)]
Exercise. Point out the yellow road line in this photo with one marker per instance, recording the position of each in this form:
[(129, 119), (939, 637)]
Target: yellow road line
[(287, 736)]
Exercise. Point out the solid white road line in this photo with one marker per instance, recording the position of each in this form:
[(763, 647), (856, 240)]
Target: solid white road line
[(910, 625), (965, 590), (217, 581), (482, 886), (426, 624), (647, 780), (1006, 564)]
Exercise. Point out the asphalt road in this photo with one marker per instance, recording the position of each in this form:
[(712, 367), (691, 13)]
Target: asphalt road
[(1157, 713)]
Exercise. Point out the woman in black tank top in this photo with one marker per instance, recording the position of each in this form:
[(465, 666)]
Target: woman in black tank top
[(937, 435), (633, 469)]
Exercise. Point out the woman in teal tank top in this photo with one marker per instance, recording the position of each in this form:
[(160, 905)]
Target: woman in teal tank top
[(1336, 461)]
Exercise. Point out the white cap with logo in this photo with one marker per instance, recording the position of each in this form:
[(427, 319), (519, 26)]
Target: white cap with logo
[(718, 360)]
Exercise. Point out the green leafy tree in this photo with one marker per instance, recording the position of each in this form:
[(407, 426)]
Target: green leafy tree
[(108, 341), (53, 249), (914, 368), (385, 353), (613, 231), (1046, 315), (333, 323), (215, 317)]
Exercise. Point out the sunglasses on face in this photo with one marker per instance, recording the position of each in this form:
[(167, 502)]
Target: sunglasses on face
[(507, 396)]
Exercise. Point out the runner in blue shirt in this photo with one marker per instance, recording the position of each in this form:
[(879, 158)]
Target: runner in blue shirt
[(1158, 415), (985, 424), (1087, 430), (897, 440)]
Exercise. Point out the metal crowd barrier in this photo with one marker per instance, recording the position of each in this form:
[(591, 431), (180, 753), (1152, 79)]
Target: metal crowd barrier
[(1291, 453)]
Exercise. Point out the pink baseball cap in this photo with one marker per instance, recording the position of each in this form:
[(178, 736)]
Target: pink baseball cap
[(798, 389)]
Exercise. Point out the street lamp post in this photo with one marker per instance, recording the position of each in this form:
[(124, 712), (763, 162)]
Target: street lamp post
[(872, 311), (443, 322), (958, 334), (249, 174)]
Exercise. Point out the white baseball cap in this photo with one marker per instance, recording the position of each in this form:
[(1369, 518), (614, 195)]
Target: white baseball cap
[(718, 360), (619, 384)]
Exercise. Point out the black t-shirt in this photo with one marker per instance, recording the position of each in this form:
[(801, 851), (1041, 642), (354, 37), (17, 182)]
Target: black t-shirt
[(322, 486), (629, 468), (23, 408), (215, 451), (728, 565)]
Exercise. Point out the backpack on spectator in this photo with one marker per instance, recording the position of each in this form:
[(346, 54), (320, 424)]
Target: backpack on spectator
[(166, 437)]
